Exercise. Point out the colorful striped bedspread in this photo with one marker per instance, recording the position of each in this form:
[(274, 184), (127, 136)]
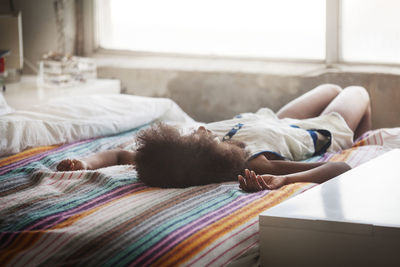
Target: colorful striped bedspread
[(108, 217)]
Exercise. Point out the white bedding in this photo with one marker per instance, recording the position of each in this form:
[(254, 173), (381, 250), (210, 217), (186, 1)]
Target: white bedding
[(4, 107), (65, 120)]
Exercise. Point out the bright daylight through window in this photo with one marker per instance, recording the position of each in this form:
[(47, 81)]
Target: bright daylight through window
[(242, 28), (368, 31), (371, 31)]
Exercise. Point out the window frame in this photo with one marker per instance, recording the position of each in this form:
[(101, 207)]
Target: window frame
[(333, 42), (332, 35)]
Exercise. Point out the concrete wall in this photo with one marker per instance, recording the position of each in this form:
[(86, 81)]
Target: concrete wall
[(40, 32), (210, 96), (206, 95)]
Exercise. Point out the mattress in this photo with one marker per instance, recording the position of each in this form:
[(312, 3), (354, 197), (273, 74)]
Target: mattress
[(108, 217)]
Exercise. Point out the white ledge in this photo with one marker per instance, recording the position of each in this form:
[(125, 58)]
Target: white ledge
[(210, 64)]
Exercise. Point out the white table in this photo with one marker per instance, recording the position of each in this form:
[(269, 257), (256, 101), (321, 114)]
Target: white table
[(351, 220), (27, 92)]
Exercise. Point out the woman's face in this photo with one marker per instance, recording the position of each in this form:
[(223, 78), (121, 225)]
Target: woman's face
[(205, 133), (203, 130)]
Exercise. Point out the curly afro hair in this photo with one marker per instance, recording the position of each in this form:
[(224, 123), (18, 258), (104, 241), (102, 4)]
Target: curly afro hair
[(165, 158)]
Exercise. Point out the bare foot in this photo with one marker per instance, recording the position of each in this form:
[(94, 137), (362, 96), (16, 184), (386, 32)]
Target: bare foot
[(71, 165)]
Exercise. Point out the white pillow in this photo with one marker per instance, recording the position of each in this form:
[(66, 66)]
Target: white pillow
[(4, 108), (70, 119)]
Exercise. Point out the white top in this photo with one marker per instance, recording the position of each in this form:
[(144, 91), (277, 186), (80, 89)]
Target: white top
[(291, 139)]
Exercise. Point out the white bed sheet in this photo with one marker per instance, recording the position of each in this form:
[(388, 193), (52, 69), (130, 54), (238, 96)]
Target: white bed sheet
[(70, 119)]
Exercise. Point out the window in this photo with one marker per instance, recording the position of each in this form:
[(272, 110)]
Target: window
[(334, 31), (371, 31), (243, 28)]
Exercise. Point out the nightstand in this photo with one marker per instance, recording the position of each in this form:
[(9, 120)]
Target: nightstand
[(350, 220), (27, 92)]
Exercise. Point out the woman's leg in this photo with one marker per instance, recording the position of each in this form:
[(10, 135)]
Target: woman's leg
[(354, 105), (310, 104)]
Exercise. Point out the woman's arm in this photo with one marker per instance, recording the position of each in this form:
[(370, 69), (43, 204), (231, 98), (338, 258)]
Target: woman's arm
[(252, 182), (100, 160), (261, 164), (320, 174)]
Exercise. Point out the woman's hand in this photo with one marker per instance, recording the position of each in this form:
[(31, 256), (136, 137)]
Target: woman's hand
[(273, 181), (71, 165), (253, 183), (250, 182)]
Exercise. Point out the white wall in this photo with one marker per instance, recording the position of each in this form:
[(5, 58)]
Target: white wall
[(40, 31)]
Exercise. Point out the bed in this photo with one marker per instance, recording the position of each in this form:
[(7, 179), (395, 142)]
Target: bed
[(108, 217)]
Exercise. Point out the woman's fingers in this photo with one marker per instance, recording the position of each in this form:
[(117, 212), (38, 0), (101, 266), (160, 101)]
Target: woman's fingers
[(257, 185), (262, 182), (242, 182), (71, 165), (78, 165), (253, 182), (247, 173), (64, 165), (249, 180)]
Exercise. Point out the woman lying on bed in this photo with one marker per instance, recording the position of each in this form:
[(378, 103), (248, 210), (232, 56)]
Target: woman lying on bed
[(259, 149)]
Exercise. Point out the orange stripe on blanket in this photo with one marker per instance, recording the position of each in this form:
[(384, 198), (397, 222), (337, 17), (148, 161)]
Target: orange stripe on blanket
[(28, 239), (24, 241), (25, 154), (344, 155), (360, 143), (203, 238), (71, 220)]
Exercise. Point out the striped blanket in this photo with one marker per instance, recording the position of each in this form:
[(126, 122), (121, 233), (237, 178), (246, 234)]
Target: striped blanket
[(108, 217)]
